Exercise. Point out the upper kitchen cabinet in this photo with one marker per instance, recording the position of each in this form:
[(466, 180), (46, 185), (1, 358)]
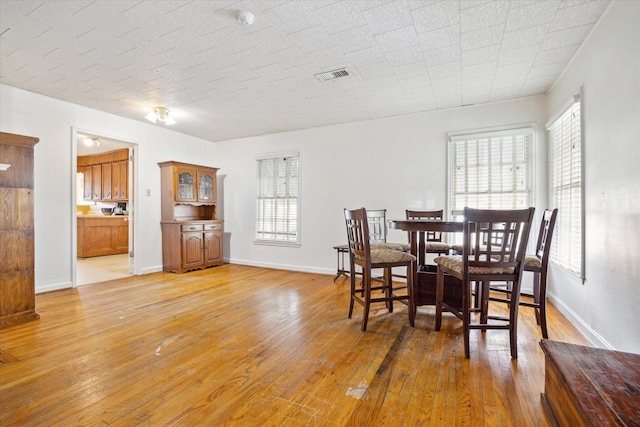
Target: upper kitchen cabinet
[(92, 181), (189, 192), (106, 176), (119, 179)]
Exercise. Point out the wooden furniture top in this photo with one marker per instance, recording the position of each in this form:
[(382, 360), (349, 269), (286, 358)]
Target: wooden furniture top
[(604, 384), (425, 225), (13, 139), (192, 221), (185, 165)]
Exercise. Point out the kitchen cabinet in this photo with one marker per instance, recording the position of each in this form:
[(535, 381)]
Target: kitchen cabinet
[(17, 283), (119, 180), (93, 182), (105, 175), (105, 178), (99, 236), (191, 232), (88, 181)]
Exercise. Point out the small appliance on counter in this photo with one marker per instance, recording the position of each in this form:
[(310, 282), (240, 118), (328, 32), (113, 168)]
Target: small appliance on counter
[(120, 208)]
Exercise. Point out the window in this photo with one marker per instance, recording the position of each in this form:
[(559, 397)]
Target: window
[(278, 197), (490, 170), (565, 185)]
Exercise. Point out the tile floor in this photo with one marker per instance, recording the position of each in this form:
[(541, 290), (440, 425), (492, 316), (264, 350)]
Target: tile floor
[(103, 268)]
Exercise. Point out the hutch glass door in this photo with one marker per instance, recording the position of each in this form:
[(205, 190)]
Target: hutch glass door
[(205, 187), (185, 186)]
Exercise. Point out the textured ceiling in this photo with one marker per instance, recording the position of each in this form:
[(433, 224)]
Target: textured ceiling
[(224, 80)]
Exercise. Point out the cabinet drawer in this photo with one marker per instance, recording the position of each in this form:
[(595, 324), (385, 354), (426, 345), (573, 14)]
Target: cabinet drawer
[(212, 227), (191, 227)]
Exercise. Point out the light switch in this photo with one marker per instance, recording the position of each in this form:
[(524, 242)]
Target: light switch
[(148, 192)]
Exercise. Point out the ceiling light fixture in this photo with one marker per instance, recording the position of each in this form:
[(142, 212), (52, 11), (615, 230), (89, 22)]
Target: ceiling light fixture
[(162, 115), (4, 166), (90, 141), (246, 18)]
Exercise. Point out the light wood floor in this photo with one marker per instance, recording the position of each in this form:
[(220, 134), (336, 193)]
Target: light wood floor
[(246, 346), (102, 268)]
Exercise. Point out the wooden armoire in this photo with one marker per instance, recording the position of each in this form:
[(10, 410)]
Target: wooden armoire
[(17, 284)]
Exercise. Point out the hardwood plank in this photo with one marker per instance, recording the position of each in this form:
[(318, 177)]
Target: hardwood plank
[(240, 345)]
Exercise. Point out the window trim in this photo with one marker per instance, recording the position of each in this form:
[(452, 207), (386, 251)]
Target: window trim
[(257, 241), (575, 98), (454, 136)]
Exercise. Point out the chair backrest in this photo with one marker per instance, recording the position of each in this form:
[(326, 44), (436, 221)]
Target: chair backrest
[(508, 232), (357, 234), (547, 225), (431, 236), (377, 223)]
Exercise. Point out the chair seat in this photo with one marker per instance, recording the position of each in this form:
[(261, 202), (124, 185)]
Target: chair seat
[(405, 247), (532, 261), (437, 246), (454, 263), (387, 256)]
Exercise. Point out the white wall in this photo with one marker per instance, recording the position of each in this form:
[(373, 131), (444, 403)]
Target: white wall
[(396, 163), (52, 120), (608, 65)]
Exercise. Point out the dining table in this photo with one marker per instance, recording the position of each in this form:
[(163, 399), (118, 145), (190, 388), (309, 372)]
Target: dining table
[(425, 274)]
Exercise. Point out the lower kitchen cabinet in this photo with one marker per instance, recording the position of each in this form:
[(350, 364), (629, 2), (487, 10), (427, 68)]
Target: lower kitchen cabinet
[(99, 236), (191, 245)]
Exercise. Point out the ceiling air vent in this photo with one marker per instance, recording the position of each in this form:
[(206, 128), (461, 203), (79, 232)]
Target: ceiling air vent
[(332, 75)]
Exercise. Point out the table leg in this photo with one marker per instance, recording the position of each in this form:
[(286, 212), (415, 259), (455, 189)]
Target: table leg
[(413, 237), (341, 271)]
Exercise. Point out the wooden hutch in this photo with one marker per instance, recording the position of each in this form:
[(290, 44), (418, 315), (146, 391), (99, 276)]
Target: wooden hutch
[(191, 232), (17, 244)]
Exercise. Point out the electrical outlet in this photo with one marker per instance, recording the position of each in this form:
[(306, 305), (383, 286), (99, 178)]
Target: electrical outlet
[(148, 192)]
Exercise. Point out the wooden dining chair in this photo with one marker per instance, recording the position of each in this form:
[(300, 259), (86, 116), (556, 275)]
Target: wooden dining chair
[(536, 263), (485, 263), (377, 222), (432, 243), (362, 254)]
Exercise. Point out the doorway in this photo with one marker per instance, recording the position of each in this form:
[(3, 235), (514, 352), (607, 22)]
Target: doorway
[(103, 206)]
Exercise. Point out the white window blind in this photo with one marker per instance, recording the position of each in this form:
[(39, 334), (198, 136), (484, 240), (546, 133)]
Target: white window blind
[(565, 169), (277, 204), (490, 170)]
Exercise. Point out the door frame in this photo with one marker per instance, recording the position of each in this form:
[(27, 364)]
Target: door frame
[(132, 193)]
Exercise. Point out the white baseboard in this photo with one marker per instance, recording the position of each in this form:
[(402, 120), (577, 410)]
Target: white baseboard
[(580, 324), (53, 287), (303, 269), (154, 269)]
